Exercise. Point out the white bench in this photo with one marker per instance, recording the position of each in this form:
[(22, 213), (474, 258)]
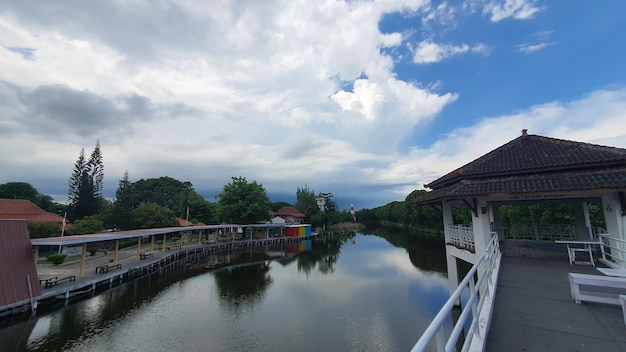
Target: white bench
[(604, 288)]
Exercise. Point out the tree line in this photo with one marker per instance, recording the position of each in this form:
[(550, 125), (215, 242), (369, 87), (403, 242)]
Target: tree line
[(158, 202), (427, 219)]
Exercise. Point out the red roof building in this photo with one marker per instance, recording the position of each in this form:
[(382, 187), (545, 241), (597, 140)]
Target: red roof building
[(183, 222), (21, 209), (290, 215)]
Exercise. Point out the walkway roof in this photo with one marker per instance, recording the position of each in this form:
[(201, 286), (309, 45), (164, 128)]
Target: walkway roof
[(119, 235)]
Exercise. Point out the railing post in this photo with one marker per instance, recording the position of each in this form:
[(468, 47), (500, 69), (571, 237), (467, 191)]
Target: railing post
[(441, 339)]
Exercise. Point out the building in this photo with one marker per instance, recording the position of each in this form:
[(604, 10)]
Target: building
[(528, 170), (287, 215), (18, 273), (323, 199)]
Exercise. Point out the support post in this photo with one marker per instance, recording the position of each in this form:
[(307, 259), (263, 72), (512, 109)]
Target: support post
[(117, 250), (36, 254), (138, 249), (82, 261)]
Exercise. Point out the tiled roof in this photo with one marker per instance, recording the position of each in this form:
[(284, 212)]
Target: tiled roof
[(534, 154), (534, 164), (614, 178), (289, 211), (26, 210), (183, 222)]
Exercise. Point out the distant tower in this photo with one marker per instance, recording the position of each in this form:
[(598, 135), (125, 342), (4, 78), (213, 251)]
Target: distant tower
[(352, 212)]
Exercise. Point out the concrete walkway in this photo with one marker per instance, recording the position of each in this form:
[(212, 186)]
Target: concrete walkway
[(534, 311)]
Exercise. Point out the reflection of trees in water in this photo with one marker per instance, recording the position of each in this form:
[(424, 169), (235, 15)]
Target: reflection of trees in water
[(243, 285), (425, 252), (324, 253)]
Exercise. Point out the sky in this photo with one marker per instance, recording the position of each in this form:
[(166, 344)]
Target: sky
[(368, 100)]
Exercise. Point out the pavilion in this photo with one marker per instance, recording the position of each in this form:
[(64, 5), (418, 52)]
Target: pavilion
[(533, 169)]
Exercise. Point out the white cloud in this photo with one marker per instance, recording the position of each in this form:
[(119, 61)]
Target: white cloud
[(598, 118), (286, 93), (282, 92), (428, 52), (503, 9), (531, 48)]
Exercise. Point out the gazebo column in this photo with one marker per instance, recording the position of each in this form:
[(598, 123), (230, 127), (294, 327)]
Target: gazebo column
[(482, 233), (615, 223), (453, 269), (481, 228)]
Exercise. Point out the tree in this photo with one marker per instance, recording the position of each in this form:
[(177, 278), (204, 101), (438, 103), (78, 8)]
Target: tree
[(121, 212), (43, 229), (85, 184), (277, 205), (306, 203), (86, 225), (96, 170), (23, 190), (170, 193), (151, 215), (242, 202)]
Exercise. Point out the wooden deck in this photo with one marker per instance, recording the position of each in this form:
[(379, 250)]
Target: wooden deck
[(534, 310)]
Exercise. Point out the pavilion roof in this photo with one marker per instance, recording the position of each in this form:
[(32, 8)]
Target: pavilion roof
[(530, 164)]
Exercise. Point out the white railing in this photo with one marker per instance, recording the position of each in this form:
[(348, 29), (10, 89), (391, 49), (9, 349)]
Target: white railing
[(479, 307), (616, 255), (461, 237)]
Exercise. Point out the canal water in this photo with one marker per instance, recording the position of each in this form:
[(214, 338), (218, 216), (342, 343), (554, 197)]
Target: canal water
[(362, 292)]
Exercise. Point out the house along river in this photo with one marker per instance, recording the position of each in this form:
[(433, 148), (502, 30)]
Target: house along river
[(364, 292)]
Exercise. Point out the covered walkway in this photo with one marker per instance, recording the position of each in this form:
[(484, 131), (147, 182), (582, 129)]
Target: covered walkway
[(534, 311)]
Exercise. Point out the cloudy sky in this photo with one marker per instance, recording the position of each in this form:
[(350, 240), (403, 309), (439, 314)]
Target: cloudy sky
[(368, 100)]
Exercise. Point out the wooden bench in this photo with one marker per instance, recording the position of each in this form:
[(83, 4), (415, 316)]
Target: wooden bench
[(105, 268), (45, 281), (51, 283), (145, 255), (596, 288)]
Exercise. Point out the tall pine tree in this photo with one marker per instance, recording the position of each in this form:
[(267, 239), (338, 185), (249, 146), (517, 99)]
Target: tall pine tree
[(85, 184)]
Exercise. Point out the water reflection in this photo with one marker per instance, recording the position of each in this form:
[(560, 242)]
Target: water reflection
[(245, 285), (349, 292)]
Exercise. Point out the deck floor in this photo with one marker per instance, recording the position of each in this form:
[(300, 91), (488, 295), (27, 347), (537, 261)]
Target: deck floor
[(534, 311)]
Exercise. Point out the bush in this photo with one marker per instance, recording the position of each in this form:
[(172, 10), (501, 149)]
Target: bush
[(57, 258)]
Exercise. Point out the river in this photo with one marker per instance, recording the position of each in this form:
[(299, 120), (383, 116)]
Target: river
[(372, 291)]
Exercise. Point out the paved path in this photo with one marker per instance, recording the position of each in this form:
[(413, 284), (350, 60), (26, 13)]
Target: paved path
[(534, 311)]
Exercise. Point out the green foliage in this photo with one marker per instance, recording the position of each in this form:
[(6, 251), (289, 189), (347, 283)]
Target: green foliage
[(86, 225), (165, 192), (306, 203), (409, 215), (243, 203), (277, 205), (152, 215), (85, 185), (536, 214), (120, 216), (56, 258), (23, 190), (43, 229)]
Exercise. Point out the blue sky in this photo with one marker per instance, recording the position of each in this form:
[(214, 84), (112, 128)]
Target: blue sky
[(368, 100)]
